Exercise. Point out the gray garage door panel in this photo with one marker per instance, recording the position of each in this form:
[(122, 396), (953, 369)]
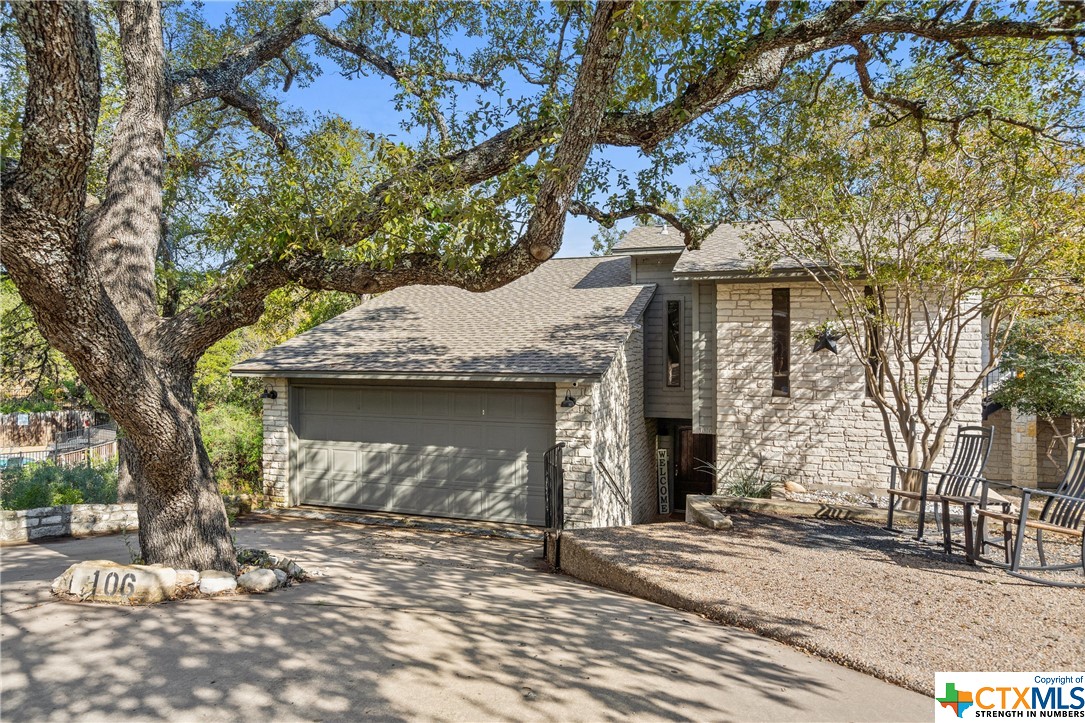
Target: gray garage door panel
[(473, 454)]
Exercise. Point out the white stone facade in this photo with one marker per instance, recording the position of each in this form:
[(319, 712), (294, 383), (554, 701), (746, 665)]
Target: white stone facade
[(607, 455), (1023, 448), (827, 432), (573, 426), (276, 457)]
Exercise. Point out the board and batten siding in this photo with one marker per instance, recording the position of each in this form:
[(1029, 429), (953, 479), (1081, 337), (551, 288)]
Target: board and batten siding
[(704, 358), (661, 401)]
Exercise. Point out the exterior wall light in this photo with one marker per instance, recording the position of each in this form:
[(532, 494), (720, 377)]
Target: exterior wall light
[(568, 401), (269, 394)]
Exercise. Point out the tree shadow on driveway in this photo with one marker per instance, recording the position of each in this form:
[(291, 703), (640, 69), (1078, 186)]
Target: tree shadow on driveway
[(400, 625)]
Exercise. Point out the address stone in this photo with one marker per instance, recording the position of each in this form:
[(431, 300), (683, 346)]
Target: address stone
[(107, 581)]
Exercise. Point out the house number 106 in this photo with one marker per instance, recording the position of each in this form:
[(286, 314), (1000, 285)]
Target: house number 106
[(112, 582)]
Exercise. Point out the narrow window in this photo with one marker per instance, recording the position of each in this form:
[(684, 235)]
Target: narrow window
[(875, 311), (781, 342), (674, 343)]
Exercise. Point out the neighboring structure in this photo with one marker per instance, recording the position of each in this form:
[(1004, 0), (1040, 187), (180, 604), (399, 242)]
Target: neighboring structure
[(434, 400), (1021, 446), (38, 430)]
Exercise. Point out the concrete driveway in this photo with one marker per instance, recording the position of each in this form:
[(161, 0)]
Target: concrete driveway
[(402, 625)]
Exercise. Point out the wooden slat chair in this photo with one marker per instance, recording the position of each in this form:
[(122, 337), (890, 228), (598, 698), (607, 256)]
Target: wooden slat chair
[(1063, 513), (962, 477)]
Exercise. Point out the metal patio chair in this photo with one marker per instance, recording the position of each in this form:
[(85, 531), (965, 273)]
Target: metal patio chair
[(962, 477), (1062, 513)]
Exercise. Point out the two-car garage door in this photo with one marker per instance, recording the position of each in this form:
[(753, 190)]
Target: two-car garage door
[(467, 452)]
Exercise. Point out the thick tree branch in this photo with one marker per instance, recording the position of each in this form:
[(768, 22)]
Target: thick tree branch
[(761, 64), (239, 301), (250, 108), (225, 76), (60, 115), (123, 233), (691, 236), (236, 301), (594, 84), (461, 169), (764, 57), (290, 74), (386, 66), (861, 58)]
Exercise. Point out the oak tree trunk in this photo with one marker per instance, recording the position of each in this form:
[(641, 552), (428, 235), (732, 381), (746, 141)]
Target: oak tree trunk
[(88, 277), (182, 518)]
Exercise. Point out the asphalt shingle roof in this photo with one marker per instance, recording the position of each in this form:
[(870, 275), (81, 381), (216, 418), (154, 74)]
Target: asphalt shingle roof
[(725, 251), (650, 238), (567, 318)]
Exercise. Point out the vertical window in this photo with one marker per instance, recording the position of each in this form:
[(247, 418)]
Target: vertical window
[(781, 342), (674, 344), (875, 310)]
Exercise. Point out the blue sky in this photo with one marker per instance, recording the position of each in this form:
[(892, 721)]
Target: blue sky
[(368, 102)]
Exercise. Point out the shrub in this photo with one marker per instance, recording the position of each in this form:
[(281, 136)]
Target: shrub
[(747, 482), (46, 485), (19, 491), (743, 480), (234, 437)]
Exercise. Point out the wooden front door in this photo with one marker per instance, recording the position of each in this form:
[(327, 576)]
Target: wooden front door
[(695, 452)]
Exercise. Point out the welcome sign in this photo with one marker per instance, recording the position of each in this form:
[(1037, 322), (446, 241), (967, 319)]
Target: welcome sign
[(662, 465)]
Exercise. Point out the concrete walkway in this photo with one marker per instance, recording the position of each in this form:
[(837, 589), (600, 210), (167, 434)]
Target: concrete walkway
[(403, 625)]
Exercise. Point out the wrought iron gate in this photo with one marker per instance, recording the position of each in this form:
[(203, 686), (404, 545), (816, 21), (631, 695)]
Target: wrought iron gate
[(554, 478)]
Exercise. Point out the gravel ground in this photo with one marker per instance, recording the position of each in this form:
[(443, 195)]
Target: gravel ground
[(836, 498), (860, 499), (869, 599)]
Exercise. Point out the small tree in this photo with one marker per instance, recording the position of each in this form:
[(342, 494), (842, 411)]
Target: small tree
[(916, 238), (1044, 374)]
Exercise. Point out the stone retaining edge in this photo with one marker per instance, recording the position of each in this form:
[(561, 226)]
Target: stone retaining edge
[(578, 561), (700, 510), (787, 508), (21, 526)]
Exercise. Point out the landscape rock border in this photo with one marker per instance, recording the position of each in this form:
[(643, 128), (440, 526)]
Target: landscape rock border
[(106, 581), (783, 508)]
